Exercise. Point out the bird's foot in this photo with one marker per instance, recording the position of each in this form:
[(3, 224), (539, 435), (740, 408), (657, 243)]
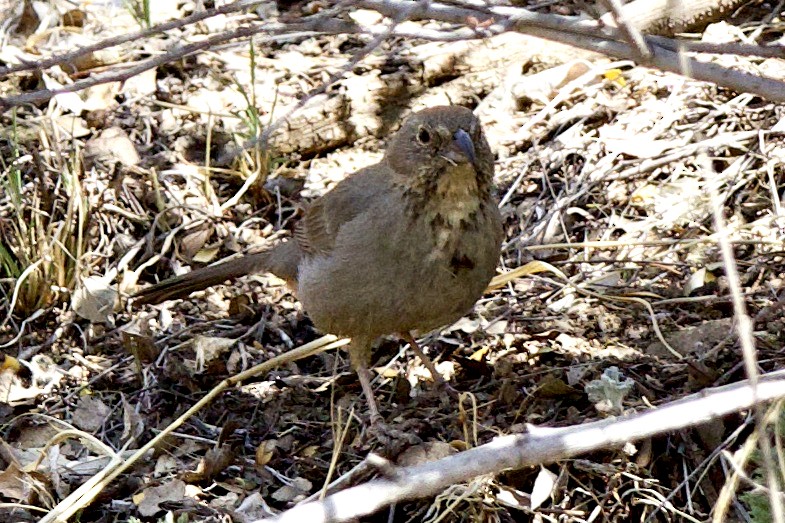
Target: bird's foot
[(392, 440)]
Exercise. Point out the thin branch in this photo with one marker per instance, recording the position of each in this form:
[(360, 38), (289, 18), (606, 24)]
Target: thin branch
[(592, 37), (585, 34), (734, 48), (632, 33), (66, 58), (539, 446), (316, 25)]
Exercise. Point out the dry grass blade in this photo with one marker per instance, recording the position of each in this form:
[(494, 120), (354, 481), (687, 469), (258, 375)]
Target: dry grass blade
[(45, 239)]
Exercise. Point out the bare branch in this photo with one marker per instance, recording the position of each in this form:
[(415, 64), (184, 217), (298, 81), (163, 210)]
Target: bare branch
[(666, 17), (591, 36), (313, 26), (540, 445), (736, 48), (130, 37), (666, 54)]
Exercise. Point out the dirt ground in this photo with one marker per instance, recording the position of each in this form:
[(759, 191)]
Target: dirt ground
[(607, 172)]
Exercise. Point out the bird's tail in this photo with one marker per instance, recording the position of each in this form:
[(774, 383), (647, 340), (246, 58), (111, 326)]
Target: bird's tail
[(182, 286)]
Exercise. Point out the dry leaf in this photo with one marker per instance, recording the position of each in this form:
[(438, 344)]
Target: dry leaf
[(15, 484), (193, 242), (264, 452), (74, 18), (206, 255), (148, 501), (513, 498), (101, 96), (90, 413), (210, 348), (112, 145), (142, 84), (254, 507), (95, 299), (140, 346), (133, 424), (240, 307), (213, 463), (552, 388), (543, 86), (543, 487), (297, 490), (697, 280)]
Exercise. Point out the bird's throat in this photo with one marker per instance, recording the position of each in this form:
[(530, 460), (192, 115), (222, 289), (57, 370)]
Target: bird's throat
[(457, 199)]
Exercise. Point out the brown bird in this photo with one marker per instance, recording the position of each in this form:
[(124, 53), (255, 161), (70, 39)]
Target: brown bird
[(408, 244)]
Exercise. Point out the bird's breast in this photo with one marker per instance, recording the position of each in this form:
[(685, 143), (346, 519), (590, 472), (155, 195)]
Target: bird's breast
[(453, 210)]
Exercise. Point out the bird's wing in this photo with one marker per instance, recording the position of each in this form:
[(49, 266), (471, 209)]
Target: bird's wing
[(325, 216)]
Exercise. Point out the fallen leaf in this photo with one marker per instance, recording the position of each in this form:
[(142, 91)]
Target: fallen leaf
[(112, 145), (210, 348), (142, 347), (74, 18), (148, 501), (95, 299), (193, 242), (552, 387), (90, 413), (254, 507), (101, 96), (297, 490), (142, 84), (542, 87), (513, 498), (264, 453), (543, 487), (15, 484), (697, 280), (213, 463), (133, 425)]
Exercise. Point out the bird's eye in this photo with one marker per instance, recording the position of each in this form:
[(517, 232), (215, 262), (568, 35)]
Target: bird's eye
[(423, 136)]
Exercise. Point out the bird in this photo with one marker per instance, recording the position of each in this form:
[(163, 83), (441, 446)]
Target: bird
[(403, 246)]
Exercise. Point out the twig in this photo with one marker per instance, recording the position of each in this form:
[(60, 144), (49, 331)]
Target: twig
[(65, 58), (747, 341), (632, 33), (588, 35), (275, 30), (540, 445), (735, 48)]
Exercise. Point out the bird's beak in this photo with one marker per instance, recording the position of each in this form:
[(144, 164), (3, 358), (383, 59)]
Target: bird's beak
[(461, 150)]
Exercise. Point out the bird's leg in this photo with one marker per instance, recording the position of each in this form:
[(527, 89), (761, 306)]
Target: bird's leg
[(359, 354), (407, 336), (365, 382)]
